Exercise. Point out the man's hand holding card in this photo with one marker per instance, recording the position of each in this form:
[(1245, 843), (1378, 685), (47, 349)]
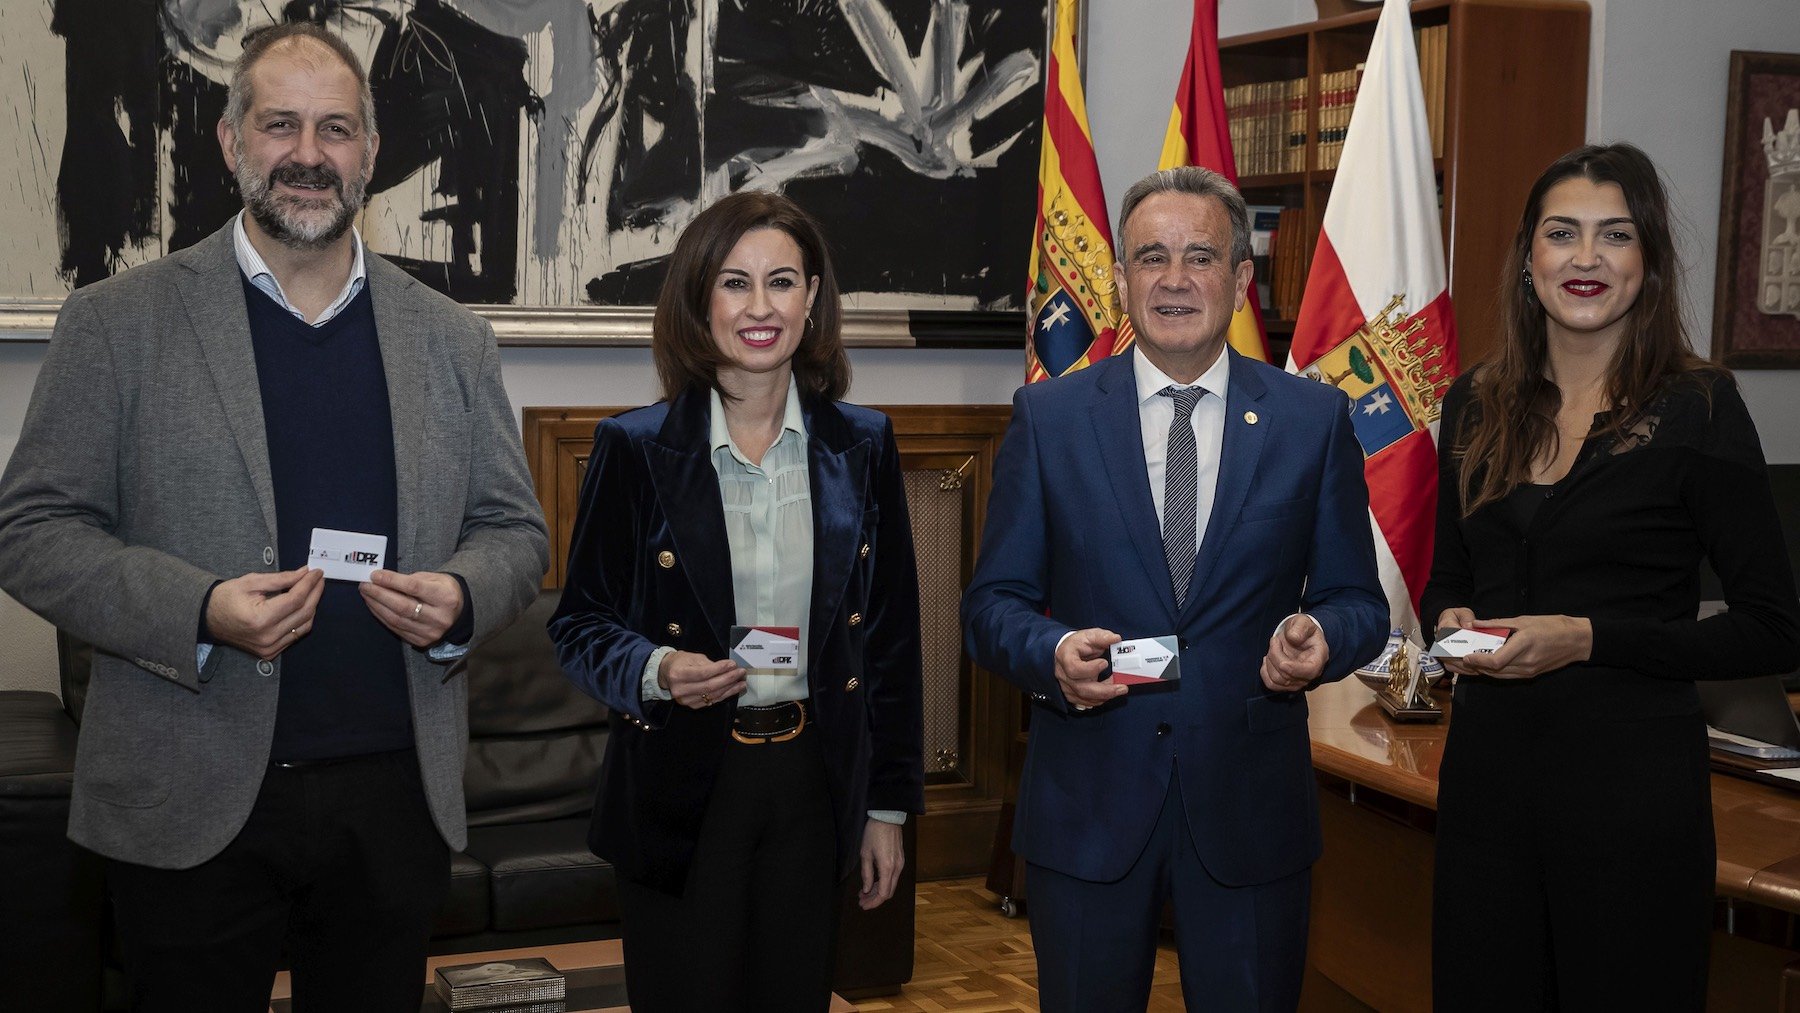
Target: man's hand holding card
[(1146, 660), (1081, 659), (263, 614), (419, 607)]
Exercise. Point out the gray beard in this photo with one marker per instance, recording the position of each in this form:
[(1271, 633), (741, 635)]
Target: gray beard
[(289, 220)]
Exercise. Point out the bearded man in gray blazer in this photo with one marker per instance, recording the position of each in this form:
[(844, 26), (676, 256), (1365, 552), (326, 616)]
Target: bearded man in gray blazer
[(272, 761)]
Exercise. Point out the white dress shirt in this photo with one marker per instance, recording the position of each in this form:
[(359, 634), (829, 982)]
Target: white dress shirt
[(1155, 412), (257, 270)]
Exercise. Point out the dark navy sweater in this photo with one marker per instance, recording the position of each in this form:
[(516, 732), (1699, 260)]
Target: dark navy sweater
[(331, 455)]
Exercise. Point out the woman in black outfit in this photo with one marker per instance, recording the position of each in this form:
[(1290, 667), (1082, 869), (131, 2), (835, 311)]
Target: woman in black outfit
[(736, 797), (1590, 465)]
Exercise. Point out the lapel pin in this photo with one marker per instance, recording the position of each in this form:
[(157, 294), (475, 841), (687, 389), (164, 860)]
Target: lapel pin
[(1250, 417)]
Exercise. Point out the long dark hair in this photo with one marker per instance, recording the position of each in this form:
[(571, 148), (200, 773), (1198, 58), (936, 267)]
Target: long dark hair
[(682, 344), (1514, 405)]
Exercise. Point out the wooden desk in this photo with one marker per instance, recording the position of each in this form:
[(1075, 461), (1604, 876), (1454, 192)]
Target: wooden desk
[(1371, 925)]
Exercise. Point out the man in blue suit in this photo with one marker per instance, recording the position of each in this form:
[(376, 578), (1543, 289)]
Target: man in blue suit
[(1180, 490)]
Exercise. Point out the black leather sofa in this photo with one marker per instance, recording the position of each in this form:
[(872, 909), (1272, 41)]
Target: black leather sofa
[(525, 879), (51, 909)]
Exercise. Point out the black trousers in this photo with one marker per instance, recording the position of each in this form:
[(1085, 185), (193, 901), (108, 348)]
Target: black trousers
[(754, 931), (1574, 867), (340, 862)]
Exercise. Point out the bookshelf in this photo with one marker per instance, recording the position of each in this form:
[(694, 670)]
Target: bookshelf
[(1506, 90)]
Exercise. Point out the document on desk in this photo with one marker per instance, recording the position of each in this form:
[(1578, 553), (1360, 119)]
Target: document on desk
[(1785, 773), (1743, 745)]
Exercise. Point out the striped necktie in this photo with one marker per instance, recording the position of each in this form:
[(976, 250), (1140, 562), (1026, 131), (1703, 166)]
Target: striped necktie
[(1181, 490)]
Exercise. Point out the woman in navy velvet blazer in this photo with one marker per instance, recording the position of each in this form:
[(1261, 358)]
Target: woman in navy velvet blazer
[(733, 800)]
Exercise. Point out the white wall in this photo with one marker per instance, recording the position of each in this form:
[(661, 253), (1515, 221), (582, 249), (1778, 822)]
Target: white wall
[(612, 376), (1657, 79), (27, 643), (1663, 89)]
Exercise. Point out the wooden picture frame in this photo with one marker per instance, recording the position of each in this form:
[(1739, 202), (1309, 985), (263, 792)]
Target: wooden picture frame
[(1756, 287)]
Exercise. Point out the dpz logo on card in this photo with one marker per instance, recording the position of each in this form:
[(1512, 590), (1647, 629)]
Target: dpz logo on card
[(345, 555), (766, 648), (357, 557)]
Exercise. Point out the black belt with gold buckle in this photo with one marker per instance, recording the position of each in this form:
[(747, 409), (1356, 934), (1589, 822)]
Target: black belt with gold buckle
[(755, 726)]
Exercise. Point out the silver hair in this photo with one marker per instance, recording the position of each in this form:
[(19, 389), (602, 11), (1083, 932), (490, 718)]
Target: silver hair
[(1196, 182), (239, 97)]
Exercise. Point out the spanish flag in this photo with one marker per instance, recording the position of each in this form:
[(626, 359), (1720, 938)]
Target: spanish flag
[(1075, 314), (1199, 135)]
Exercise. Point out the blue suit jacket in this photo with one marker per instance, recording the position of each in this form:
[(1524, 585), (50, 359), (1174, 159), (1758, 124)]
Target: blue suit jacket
[(1072, 541), (650, 564)]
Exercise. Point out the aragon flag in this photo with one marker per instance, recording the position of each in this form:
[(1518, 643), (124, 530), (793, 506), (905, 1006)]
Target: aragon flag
[(1074, 306), (1199, 135), (1376, 320)]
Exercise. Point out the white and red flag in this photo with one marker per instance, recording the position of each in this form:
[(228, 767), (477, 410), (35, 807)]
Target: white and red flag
[(1375, 320)]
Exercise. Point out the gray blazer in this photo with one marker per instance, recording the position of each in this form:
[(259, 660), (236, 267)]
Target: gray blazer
[(142, 476)]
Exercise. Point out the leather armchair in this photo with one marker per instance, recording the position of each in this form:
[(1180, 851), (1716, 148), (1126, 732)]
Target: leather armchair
[(51, 909), (535, 744)]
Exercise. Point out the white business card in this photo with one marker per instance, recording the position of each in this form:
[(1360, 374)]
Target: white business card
[(766, 647), (1474, 640), (1151, 659), (345, 555)]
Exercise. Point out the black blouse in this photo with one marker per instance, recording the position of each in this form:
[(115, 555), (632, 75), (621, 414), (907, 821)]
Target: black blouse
[(1619, 541)]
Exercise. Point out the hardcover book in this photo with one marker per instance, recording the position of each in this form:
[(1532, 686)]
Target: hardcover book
[(514, 982)]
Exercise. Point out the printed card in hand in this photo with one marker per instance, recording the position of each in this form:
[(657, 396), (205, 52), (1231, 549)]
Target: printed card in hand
[(766, 647), (1474, 640), (1151, 659), (345, 555)]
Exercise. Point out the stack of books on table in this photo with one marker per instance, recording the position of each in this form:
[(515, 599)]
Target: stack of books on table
[(521, 984)]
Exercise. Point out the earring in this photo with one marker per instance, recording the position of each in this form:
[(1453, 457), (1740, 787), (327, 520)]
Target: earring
[(1525, 272)]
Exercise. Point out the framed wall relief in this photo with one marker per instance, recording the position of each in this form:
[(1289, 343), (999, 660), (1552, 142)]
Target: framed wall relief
[(1756, 293), (538, 158)]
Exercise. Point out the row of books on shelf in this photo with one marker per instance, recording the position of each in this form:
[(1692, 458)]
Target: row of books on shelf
[(1337, 97), (1278, 251), (1268, 118), (1432, 42), (1268, 126)]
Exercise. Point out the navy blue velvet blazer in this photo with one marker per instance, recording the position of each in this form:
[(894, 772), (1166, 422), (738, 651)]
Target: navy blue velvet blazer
[(649, 564)]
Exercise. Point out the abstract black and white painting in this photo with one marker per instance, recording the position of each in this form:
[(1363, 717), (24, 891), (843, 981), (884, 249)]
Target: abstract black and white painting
[(548, 152)]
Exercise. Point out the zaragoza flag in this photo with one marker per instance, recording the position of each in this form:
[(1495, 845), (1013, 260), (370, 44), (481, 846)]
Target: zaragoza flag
[(1074, 306), (1198, 135), (1376, 320)]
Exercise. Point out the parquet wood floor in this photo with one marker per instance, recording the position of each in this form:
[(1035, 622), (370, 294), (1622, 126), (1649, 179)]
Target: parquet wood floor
[(972, 959)]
